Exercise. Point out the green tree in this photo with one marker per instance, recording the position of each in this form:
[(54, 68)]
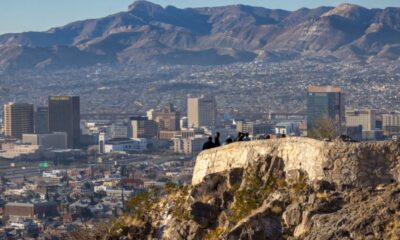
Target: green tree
[(324, 128)]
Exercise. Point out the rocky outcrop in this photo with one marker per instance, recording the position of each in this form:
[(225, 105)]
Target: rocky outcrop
[(356, 164), (294, 188)]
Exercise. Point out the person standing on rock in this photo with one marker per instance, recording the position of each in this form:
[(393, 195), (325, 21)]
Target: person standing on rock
[(209, 144), (240, 137), (217, 143), (246, 137), (229, 140)]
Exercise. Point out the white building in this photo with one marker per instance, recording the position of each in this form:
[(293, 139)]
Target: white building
[(125, 145), (150, 114), (288, 128), (183, 123)]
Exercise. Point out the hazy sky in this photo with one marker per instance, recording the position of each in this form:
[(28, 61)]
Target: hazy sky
[(38, 15)]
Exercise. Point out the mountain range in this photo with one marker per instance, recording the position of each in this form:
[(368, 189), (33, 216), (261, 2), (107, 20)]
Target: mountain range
[(208, 36)]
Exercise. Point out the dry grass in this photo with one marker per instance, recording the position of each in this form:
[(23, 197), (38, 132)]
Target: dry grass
[(393, 230), (322, 195), (215, 233)]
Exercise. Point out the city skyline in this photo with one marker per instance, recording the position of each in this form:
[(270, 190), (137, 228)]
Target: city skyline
[(41, 15)]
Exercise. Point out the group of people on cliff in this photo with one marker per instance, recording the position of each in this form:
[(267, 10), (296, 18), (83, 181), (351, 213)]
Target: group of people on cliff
[(241, 137)]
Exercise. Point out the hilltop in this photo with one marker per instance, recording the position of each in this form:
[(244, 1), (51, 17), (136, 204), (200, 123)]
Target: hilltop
[(293, 188)]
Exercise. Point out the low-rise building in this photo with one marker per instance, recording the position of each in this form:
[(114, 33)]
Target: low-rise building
[(391, 123), (15, 150), (366, 118), (30, 210), (168, 134), (253, 128), (355, 132), (124, 145), (288, 128), (56, 140)]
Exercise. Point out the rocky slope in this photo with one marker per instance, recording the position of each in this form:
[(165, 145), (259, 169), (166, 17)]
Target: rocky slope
[(263, 195), (149, 32)]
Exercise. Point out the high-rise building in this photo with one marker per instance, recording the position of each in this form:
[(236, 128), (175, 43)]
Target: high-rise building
[(391, 123), (64, 116), (202, 112), (168, 119), (102, 142), (142, 127), (42, 120), (325, 103), (366, 118), (18, 119)]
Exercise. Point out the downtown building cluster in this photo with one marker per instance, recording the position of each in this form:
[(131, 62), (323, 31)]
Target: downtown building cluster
[(60, 171)]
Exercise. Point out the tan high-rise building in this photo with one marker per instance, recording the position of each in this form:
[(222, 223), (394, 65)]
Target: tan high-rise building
[(391, 123), (18, 119), (202, 112), (365, 118), (142, 127), (168, 119)]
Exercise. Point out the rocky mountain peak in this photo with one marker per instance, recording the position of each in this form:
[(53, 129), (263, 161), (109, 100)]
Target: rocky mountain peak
[(144, 6), (347, 10), (187, 34)]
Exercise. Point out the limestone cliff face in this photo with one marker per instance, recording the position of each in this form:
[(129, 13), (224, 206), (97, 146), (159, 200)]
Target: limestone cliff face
[(292, 188), (356, 164)]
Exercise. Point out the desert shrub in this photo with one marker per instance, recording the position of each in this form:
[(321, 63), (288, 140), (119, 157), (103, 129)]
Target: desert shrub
[(251, 196), (325, 128), (180, 210), (215, 233)]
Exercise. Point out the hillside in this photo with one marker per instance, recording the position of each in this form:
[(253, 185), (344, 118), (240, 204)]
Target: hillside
[(294, 188), (218, 35)]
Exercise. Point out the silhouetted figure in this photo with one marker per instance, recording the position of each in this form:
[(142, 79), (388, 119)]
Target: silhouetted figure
[(240, 137), (229, 140), (268, 137), (346, 138), (217, 143), (246, 137), (283, 135), (209, 144)]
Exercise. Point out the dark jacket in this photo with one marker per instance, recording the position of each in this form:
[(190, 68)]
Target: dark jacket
[(208, 145)]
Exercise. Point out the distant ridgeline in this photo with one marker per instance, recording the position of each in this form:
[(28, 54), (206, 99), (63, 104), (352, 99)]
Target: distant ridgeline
[(148, 32)]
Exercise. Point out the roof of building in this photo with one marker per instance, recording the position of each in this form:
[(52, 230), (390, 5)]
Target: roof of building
[(19, 204), (139, 118), (121, 141), (324, 89)]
